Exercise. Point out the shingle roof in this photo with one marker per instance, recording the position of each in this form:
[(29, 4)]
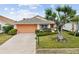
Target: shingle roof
[(35, 20), (7, 20)]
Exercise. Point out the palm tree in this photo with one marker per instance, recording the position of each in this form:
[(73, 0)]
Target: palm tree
[(69, 13), (48, 13), (59, 10), (64, 14)]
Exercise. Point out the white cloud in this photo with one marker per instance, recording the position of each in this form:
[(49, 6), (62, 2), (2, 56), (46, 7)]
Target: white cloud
[(12, 9), (5, 8), (31, 6), (34, 6), (25, 14), (12, 12), (19, 15)]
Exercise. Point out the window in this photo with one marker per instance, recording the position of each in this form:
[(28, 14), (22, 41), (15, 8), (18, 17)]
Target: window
[(44, 26)]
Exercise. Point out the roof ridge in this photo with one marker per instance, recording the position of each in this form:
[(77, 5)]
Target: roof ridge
[(6, 18), (40, 17)]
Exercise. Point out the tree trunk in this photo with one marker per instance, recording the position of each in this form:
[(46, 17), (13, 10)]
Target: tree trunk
[(77, 29), (73, 27), (59, 35)]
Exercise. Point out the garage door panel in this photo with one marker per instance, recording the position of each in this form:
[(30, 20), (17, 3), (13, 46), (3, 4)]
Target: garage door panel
[(26, 28)]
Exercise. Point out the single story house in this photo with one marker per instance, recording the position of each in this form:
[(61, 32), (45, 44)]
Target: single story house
[(29, 25), (69, 26), (5, 20)]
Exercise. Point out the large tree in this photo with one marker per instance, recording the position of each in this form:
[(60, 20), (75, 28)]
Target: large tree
[(62, 16)]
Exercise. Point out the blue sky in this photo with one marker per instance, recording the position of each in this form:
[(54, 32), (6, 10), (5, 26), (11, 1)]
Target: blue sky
[(19, 11)]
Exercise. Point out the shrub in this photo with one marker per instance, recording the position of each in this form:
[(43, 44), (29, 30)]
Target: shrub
[(12, 32), (71, 33), (66, 30), (37, 31), (47, 30), (43, 30), (6, 28), (45, 33), (77, 34), (74, 33)]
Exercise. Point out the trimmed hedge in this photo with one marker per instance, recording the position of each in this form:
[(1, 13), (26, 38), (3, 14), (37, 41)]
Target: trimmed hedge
[(44, 33), (43, 30), (46, 30), (12, 32)]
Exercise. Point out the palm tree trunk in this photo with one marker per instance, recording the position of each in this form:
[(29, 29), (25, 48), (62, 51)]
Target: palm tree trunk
[(59, 35), (77, 28), (73, 26)]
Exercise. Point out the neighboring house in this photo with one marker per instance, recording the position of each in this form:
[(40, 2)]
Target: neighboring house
[(31, 24), (5, 20), (68, 27)]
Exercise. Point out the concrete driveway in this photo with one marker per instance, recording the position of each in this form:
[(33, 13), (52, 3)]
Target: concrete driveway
[(20, 43)]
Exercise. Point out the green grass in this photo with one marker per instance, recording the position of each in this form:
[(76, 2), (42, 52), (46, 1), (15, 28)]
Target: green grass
[(4, 38), (50, 41)]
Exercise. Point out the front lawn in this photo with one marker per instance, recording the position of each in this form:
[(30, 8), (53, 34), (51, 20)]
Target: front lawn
[(4, 37), (50, 41)]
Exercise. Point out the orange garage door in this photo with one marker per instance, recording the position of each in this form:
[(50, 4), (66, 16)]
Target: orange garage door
[(26, 28)]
